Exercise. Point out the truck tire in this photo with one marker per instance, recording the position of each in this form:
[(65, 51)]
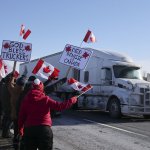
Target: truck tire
[(114, 108)]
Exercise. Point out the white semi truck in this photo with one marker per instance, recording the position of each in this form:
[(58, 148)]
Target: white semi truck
[(117, 83)]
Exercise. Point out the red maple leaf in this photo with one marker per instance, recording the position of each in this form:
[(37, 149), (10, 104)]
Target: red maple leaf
[(27, 48), (46, 69), (80, 86), (6, 45), (68, 49), (85, 55)]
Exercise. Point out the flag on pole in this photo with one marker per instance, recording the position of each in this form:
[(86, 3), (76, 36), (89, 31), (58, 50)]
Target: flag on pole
[(6, 68), (3, 69), (25, 36), (24, 33), (45, 70), (78, 86), (22, 30), (89, 37)]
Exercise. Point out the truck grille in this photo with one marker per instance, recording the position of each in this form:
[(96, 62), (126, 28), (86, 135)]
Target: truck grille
[(145, 98)]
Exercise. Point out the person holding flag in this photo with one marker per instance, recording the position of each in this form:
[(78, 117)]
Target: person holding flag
[(6, 104), (35, 117)]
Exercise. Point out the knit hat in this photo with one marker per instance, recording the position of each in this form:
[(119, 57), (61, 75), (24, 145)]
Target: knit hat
[(31, 78), (21, 81), (37, 84)]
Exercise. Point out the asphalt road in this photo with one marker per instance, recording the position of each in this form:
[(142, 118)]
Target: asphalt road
[(94, 130)]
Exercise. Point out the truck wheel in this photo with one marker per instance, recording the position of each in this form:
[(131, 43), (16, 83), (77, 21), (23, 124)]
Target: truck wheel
[(114, 108), (146, 116)]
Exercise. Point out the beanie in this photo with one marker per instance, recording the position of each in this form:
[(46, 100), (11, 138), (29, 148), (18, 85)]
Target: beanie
[(37, 84), (21, 81), (31, 78)]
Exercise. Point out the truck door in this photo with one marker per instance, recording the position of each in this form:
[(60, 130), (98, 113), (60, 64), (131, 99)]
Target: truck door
[(106, 81)]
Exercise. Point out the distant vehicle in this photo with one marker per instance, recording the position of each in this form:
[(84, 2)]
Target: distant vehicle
[(117, 83)]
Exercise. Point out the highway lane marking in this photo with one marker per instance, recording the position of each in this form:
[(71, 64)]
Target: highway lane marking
[(116, 128)]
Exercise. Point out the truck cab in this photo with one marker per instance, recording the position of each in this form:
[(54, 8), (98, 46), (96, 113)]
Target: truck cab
[(118, 86)]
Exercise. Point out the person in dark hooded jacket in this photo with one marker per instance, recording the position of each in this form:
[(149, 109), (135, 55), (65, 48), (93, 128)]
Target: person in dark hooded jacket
[(6, 107), (16, 90), (1, 111), (35, 118)]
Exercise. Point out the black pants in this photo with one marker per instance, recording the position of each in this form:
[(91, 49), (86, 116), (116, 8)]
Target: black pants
[(16, 137), (6, 124), (40, 137)]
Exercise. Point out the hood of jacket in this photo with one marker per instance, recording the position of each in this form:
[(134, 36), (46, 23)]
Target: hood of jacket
[(35, 95)]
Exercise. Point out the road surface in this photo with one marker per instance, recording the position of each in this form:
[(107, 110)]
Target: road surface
[(94, 130)]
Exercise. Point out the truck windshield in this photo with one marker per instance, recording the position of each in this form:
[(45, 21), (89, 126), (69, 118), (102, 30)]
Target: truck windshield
[(128, 72)]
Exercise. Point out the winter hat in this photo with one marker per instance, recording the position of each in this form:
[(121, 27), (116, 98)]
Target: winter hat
[(31, 78), (21, 81), (37, 84)]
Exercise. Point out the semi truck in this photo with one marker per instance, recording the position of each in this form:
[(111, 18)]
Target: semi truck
[(118, 86)]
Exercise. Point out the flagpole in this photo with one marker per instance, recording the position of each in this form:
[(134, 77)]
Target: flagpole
[(81, 43), (14, 67), (84, 92), (70, 66), (68, 71), (15, 62)]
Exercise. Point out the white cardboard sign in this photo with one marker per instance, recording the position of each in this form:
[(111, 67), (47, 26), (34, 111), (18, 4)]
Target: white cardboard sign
[(75, 56), (16, 51)]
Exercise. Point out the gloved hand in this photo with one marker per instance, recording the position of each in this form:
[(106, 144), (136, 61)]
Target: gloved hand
[(76, 93)]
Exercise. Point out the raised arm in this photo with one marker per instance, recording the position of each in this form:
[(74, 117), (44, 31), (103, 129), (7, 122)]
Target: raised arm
[(59, 106)]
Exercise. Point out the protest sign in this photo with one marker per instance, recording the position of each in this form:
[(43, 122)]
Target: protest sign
[(16, 51), (75, 56)]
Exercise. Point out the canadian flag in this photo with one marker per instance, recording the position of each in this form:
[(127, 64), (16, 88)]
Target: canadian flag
[(45, 70), (78, 86), (24, 33), (89, 37), (3, 69), (22, 30)]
